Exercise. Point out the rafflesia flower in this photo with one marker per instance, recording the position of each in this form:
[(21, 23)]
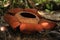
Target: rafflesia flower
[(28, 20)]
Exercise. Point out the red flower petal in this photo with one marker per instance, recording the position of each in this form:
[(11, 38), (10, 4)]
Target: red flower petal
[(15, 10), (11, 20), (46, 24)]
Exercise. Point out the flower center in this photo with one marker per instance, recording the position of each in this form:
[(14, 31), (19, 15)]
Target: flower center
[(28, 15)]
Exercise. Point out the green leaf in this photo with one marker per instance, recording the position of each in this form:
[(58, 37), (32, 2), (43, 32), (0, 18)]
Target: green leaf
[(47, 10)]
